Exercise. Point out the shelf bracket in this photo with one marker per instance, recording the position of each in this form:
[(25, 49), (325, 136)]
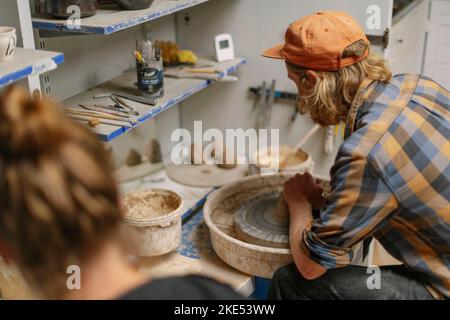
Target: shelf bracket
[(380, 40), (26, 30)]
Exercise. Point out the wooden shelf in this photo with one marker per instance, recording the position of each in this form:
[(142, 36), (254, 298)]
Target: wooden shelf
[(176, 90), (193, 198), (28, 62), (111, 21)]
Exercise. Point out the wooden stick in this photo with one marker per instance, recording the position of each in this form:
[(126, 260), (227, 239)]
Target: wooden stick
[(92, 120), (311, 132), (106, 111), (209, 71), (307, 137), (96, 114)]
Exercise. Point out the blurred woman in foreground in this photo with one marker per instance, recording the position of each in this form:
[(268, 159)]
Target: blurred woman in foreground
[(60, 208)]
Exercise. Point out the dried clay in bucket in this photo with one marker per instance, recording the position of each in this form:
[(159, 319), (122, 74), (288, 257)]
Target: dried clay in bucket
[(153, 216)]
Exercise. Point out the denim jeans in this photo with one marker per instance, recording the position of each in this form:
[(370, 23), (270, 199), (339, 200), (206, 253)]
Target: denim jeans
[(351, 282)]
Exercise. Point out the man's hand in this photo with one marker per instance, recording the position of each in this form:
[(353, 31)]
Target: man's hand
[(303, 187)]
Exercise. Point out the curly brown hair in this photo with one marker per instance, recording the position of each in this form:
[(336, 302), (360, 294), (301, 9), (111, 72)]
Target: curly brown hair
[(58, 196)]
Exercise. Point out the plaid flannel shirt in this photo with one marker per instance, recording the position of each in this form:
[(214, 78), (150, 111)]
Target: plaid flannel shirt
[(390, 181)]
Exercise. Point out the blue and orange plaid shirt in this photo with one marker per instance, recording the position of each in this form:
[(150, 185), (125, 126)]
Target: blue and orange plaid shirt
[(390, 181)]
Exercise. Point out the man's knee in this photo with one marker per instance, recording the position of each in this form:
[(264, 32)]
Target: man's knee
[(286, 274), (284, 281)]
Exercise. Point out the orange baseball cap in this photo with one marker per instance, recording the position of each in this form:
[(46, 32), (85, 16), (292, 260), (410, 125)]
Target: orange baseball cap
[(318, 41)]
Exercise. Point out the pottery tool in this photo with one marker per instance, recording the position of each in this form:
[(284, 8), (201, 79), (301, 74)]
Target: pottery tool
[(106, 109), (299, 145), (115, 97), (96, 114), (307, 136), (120, 102), (258, 96), (115, 107), (269, 104), (145, 100), (105, 115), (265, 106), (94, 122), (180, 73), (201, 70), (329, 139)]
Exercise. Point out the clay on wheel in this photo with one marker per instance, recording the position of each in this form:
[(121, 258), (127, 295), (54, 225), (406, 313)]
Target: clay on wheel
[(263, 220)]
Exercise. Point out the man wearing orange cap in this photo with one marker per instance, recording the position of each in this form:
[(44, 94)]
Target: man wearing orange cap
[(390, 179)]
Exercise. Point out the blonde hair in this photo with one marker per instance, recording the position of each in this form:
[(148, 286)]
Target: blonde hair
[(58, 198), (330, 98)]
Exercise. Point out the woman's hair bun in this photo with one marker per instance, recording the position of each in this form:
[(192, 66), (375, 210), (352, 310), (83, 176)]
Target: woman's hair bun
[(29, 124)]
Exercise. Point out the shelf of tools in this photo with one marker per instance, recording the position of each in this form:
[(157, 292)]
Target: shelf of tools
[(120, 104)]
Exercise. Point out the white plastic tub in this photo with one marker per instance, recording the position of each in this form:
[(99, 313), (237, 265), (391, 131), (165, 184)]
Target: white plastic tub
[(155, 233)]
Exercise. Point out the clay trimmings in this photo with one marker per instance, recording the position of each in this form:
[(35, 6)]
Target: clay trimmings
[(149, 204)]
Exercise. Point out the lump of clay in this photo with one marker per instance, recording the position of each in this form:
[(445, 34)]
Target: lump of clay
[(153, 151), (133, 158), (281, 212)]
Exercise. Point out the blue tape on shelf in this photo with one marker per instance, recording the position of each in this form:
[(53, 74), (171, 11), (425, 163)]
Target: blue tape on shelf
[(62, 27), (25, 72)]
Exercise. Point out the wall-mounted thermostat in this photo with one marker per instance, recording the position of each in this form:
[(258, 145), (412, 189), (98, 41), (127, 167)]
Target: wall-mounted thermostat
[(224, 47)]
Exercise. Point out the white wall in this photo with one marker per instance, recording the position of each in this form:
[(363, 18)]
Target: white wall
[(254, 25)]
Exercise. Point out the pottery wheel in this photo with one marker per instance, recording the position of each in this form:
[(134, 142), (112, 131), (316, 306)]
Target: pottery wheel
[(256, 222)]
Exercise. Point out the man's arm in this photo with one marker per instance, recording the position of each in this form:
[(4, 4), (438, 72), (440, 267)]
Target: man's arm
[(358, 203), (301, 194), (299, 221)]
